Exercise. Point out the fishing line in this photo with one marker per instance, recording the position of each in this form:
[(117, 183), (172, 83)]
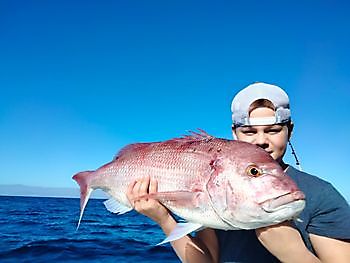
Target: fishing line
[(295, 156)]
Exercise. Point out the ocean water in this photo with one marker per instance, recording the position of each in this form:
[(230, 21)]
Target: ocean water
[(41, 229)]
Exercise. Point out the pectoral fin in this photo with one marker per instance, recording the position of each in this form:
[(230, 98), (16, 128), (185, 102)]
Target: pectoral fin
[(181, 230), (114, 206)]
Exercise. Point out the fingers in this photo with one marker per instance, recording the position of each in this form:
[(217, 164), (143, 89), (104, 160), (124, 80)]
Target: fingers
[(144, 185), (138, 189), (153, 186), (130, 192)]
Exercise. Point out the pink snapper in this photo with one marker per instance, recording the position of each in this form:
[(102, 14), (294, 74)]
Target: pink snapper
[(208, 181)]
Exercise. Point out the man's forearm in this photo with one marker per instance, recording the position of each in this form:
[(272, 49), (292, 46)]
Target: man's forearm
[(188, 249), (297, 256)]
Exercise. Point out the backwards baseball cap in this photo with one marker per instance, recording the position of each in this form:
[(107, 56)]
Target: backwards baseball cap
[(242, 101)]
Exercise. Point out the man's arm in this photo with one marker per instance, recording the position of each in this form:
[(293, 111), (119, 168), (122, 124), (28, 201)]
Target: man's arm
[(329, 227), (330, 249), (285, 242), (200, 249)]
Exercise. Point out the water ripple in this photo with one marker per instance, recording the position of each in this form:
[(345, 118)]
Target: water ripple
[(44, 230)]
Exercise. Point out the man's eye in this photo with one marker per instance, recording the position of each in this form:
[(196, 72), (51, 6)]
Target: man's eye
[(248, 132), (274, 131)]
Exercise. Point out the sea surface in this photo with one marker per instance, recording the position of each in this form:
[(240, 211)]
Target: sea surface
[(43, 229)]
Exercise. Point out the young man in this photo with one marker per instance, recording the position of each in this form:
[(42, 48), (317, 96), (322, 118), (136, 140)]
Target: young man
[(261, 116)]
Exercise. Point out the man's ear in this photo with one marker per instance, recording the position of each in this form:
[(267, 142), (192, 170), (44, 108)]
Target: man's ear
[(234, 135), (290, 129)]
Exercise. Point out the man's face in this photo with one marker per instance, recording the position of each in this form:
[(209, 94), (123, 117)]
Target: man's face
[(272, 138)]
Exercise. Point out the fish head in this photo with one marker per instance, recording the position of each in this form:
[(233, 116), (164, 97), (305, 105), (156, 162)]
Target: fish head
[(251, 190)]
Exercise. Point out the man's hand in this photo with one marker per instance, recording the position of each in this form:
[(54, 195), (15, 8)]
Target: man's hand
[(148, 207)]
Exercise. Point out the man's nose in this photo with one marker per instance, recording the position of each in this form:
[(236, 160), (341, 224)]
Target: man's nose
[(262, 141)]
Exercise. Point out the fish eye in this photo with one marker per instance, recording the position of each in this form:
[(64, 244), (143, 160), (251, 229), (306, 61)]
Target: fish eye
[(253, 171)]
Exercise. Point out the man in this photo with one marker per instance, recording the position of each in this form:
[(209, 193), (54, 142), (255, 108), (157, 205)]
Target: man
[(261, 116)]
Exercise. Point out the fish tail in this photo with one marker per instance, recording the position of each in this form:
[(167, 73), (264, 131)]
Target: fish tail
[(82, 179)]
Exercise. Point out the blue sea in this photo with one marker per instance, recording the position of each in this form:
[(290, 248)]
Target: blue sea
[(42, 229)]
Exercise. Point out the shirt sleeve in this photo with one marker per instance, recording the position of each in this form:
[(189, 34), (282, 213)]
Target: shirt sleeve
[(331, 217)]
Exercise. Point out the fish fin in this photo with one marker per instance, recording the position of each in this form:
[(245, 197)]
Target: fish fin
[(82, 179), (181, 230), (130, 149), (177, 198), (114, 206), (201, 135)]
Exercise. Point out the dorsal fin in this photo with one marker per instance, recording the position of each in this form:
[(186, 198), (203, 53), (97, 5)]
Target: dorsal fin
[(201, 135), (130, 149)]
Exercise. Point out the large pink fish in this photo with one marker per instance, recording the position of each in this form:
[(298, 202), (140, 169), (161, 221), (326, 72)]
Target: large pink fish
[(209, 182)]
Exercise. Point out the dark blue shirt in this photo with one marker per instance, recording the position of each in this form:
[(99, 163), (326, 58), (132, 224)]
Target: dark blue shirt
[(326, 214)]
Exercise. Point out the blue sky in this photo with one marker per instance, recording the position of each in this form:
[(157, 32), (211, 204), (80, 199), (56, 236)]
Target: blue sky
[(81, 79)]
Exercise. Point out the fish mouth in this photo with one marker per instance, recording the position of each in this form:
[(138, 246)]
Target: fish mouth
[(281, 201)]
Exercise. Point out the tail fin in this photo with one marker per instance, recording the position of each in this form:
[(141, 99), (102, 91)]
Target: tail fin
[(83, 179)]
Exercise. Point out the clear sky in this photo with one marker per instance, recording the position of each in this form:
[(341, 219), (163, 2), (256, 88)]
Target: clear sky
[(81, 79)]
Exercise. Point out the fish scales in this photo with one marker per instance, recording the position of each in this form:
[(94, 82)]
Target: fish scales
[(173, 167), (208, 181)]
